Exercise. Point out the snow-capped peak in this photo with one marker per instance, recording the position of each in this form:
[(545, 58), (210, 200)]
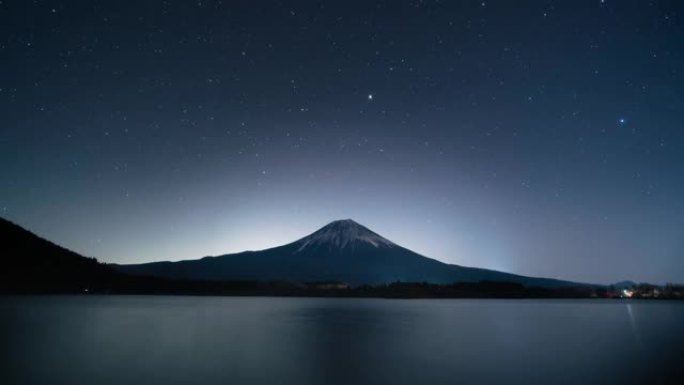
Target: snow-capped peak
[(341, 234)]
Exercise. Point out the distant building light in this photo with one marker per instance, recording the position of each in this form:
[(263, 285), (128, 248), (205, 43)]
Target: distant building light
[(627, 293)]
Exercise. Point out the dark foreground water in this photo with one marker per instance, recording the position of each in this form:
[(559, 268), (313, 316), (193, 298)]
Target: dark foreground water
[(221, 340)]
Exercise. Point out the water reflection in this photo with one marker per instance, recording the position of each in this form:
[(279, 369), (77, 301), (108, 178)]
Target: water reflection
[(179, 340), (633, 324)]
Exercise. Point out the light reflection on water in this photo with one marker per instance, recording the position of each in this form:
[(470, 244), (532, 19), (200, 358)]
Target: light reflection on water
[(222, 340), (633, 324)]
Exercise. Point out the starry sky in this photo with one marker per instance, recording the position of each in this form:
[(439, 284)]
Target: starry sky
[(537, 137)]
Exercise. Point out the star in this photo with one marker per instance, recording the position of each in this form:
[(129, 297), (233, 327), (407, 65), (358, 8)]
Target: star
[(370, 97)]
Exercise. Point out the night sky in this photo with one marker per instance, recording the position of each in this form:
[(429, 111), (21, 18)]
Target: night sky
[(539, 137)]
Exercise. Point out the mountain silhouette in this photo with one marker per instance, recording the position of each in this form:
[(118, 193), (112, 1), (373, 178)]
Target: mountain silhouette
[(31, 264), (342, 251)]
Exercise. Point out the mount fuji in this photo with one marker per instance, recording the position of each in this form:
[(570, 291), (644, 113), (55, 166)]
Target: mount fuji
[(342, 251)]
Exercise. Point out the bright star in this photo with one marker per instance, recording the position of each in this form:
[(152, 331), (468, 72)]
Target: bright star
[(622, 120), (370, 96)]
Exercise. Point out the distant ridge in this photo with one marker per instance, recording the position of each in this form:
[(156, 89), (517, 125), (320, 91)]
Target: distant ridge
[(341, 251)]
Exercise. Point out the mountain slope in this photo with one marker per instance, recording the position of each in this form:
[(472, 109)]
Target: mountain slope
[(31, 264), (343, 251)]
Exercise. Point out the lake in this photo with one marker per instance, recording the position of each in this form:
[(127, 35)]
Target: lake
[(256, 340)]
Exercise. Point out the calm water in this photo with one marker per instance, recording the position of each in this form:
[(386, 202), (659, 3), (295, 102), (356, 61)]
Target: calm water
[(218, 340)]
